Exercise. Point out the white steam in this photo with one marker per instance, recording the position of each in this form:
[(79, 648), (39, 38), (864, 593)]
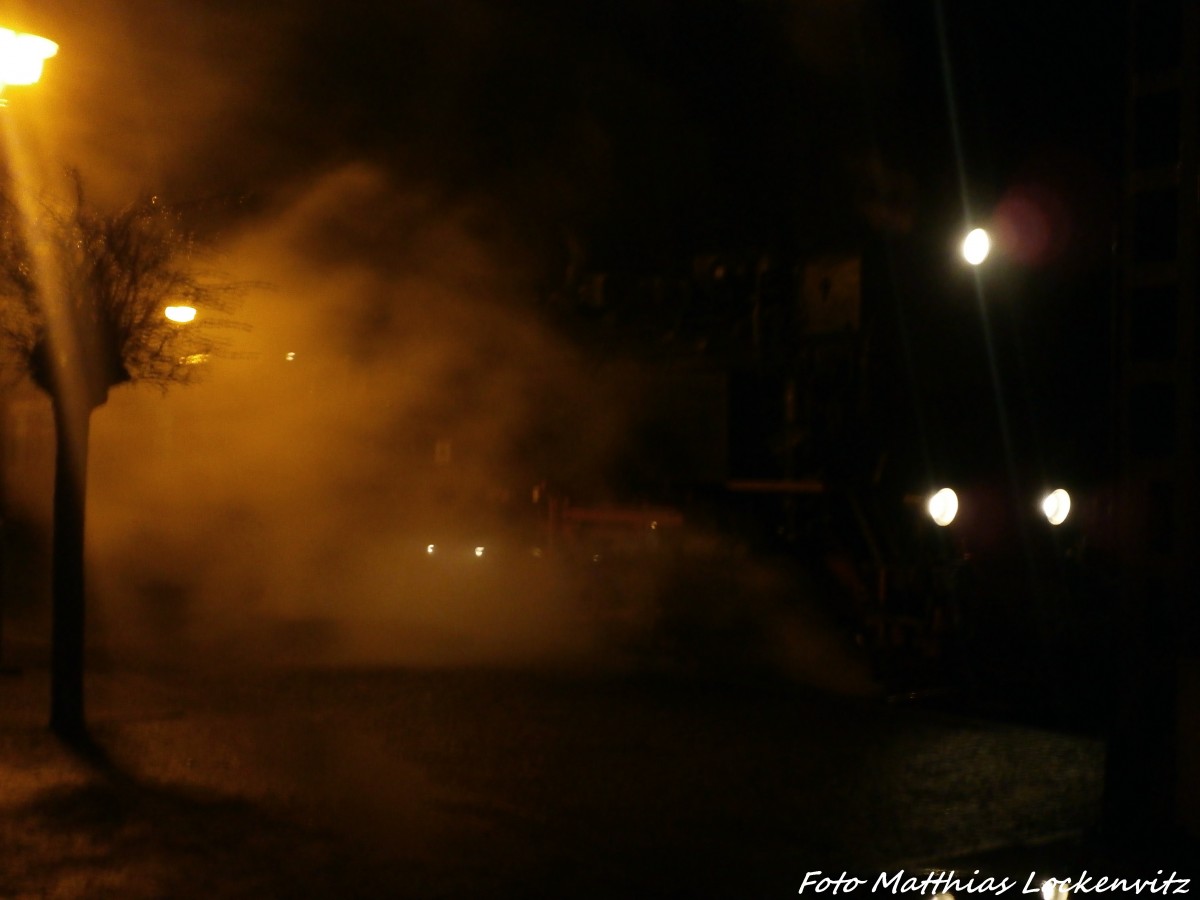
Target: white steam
[(394, 383)]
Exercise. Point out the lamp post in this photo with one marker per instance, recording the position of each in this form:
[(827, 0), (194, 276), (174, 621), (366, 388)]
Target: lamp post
[(21, 59)]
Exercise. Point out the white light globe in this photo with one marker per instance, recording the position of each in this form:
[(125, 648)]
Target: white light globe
[(943, 507), (1056, 506), (976, 246)]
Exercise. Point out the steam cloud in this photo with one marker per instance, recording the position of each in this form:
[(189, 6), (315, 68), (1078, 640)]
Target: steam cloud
[(394, 384), (394, 381)]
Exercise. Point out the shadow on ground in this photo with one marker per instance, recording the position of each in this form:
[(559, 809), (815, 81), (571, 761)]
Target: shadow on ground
[(112, 836)]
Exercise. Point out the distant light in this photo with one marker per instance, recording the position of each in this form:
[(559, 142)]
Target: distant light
[(1056, 506), (653, 526), (193, 359), (943, 506), (22, 55), (431, 549), (289, 356), (180, 314), (976, 246), (1053, 889), (479, 551)]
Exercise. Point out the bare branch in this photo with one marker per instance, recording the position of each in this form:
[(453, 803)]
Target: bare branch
[(114, 273)]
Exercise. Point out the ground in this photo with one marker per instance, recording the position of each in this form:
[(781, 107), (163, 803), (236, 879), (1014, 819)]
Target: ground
[(251, 782)]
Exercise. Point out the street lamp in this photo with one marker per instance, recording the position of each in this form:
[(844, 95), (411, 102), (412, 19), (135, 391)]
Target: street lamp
[(22, 56), (21, 59), (180, 314), (1056, 506), (943, 506), (976, 246)]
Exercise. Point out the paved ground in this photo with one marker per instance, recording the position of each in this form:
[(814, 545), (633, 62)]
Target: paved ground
[(493, 783)]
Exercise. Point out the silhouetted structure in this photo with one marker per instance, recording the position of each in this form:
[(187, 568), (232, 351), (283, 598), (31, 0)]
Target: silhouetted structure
[(1154, 753)]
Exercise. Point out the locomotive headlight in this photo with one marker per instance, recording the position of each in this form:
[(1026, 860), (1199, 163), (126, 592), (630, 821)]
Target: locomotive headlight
[(1056, 506), (943, 506), (976, 246)]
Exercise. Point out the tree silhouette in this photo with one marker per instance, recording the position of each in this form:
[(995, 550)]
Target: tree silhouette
[(83, 291)]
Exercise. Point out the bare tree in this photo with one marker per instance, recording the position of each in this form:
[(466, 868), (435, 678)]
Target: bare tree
[(83, 292)]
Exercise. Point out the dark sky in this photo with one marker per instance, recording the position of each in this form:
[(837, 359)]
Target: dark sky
[(664, 128), (645, 129)]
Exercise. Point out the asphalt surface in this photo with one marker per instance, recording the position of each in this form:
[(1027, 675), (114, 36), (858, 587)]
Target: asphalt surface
[(509, 783)]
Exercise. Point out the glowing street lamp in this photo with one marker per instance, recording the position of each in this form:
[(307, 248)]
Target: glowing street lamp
[(976, 246), (22, 56), (1056, 506), (943, 506), (180, 314)]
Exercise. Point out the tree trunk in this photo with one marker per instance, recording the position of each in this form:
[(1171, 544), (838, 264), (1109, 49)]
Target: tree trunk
[(70, 496)]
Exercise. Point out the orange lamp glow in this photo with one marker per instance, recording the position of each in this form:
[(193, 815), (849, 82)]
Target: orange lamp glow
[(22, 56), (180, 314)]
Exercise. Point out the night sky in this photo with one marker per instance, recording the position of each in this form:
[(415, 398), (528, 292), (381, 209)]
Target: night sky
[(649, 129), (408, 177)]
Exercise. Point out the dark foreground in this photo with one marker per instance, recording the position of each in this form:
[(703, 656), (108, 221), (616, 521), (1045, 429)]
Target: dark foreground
[(398, 783)]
